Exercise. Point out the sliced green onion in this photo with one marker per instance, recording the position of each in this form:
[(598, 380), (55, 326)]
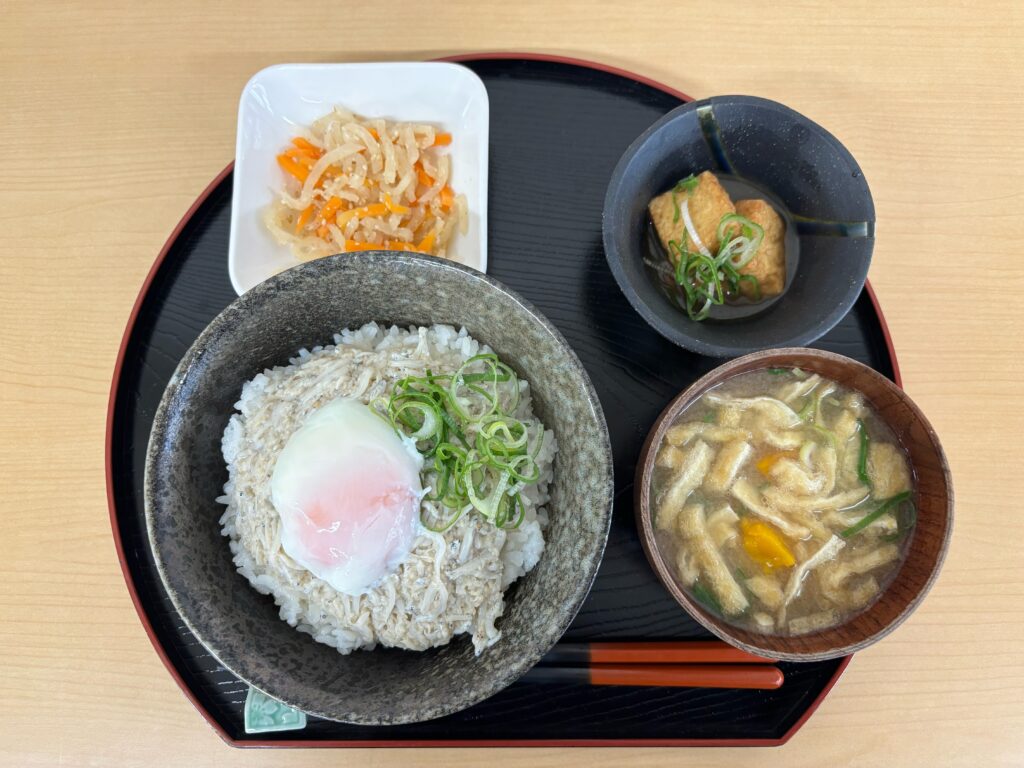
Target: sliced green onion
[(486, 474), (756, 283), (686, 185), (691, 229), (904, 524), (445, 525), (862, 456), (868, 519), (742, 247), (829, 436), (703, 595), (780, 371), (705, 279), (807, 412)]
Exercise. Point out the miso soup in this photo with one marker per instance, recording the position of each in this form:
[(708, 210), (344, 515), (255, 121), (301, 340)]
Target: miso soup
[(783, 501)]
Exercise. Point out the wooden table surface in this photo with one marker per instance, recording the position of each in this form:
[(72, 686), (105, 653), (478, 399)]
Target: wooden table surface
[(116, 115)]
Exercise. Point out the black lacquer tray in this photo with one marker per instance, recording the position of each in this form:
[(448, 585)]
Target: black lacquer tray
[(558, 128)]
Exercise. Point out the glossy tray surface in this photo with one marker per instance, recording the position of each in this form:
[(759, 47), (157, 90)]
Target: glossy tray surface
[(557, 130)]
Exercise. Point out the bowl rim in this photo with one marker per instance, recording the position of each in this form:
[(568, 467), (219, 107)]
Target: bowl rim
[(642, 507), (250, 301), (690, 339)]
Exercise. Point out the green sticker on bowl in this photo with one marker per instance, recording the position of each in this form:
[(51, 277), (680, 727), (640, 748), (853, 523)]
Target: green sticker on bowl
[(264, 714)]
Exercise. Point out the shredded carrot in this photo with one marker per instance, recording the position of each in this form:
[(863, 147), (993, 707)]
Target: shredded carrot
[(352, 245), (447, 197), (300, 157), (300, 172), (330, 208), (387, 245), (394, 207), (429, 223), (422, 175), (330, 172), (375, 209), (302, 144), (373, 132), (323, 232), (303, 219), (426, 244), (442, 139)]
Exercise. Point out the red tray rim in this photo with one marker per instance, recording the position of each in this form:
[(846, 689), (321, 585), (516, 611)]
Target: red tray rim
[(112, 508)]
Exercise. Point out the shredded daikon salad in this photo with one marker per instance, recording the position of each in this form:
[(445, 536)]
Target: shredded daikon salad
[(355, 184)]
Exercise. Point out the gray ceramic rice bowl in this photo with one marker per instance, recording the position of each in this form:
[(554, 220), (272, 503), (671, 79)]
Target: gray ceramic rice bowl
[(185, 473)]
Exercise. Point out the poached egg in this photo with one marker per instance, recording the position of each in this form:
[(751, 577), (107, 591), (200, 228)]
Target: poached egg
[(347, 489)]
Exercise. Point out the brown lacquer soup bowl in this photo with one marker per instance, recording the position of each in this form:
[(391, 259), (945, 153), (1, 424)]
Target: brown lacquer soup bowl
[(928, 539)]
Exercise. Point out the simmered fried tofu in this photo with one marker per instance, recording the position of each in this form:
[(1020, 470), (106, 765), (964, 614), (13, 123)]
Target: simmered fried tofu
[(769, 264), (694, 466), (727, 465), (670, 457), (707, 203), (888, 470), (693, 527)]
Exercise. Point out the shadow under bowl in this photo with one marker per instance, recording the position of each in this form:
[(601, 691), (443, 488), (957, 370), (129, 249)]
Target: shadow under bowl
[(929, 539), (185, 473), (799, 166)]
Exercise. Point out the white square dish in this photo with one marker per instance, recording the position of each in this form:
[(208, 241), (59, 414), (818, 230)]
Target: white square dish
[(279, 99)]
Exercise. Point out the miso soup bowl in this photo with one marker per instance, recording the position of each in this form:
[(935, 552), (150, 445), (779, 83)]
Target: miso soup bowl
[(929, 539)]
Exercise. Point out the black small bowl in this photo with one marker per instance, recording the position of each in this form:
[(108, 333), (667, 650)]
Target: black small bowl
[(797, 164)]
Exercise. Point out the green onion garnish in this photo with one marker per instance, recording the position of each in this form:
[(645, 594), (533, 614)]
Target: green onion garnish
[(807, 412), (704, 596), (829, 436), (868, 519), (862, 457), (686, 185), (905, 522), (479, 455), (708, 280), (754, 283), (779, 371)]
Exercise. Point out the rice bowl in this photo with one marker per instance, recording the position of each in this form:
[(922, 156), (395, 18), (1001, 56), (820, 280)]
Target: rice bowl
[(452, 582), (185, 473)]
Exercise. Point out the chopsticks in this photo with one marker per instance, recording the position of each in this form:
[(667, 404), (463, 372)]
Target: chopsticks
[(680, 652), (697, 664), (759, 677)]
